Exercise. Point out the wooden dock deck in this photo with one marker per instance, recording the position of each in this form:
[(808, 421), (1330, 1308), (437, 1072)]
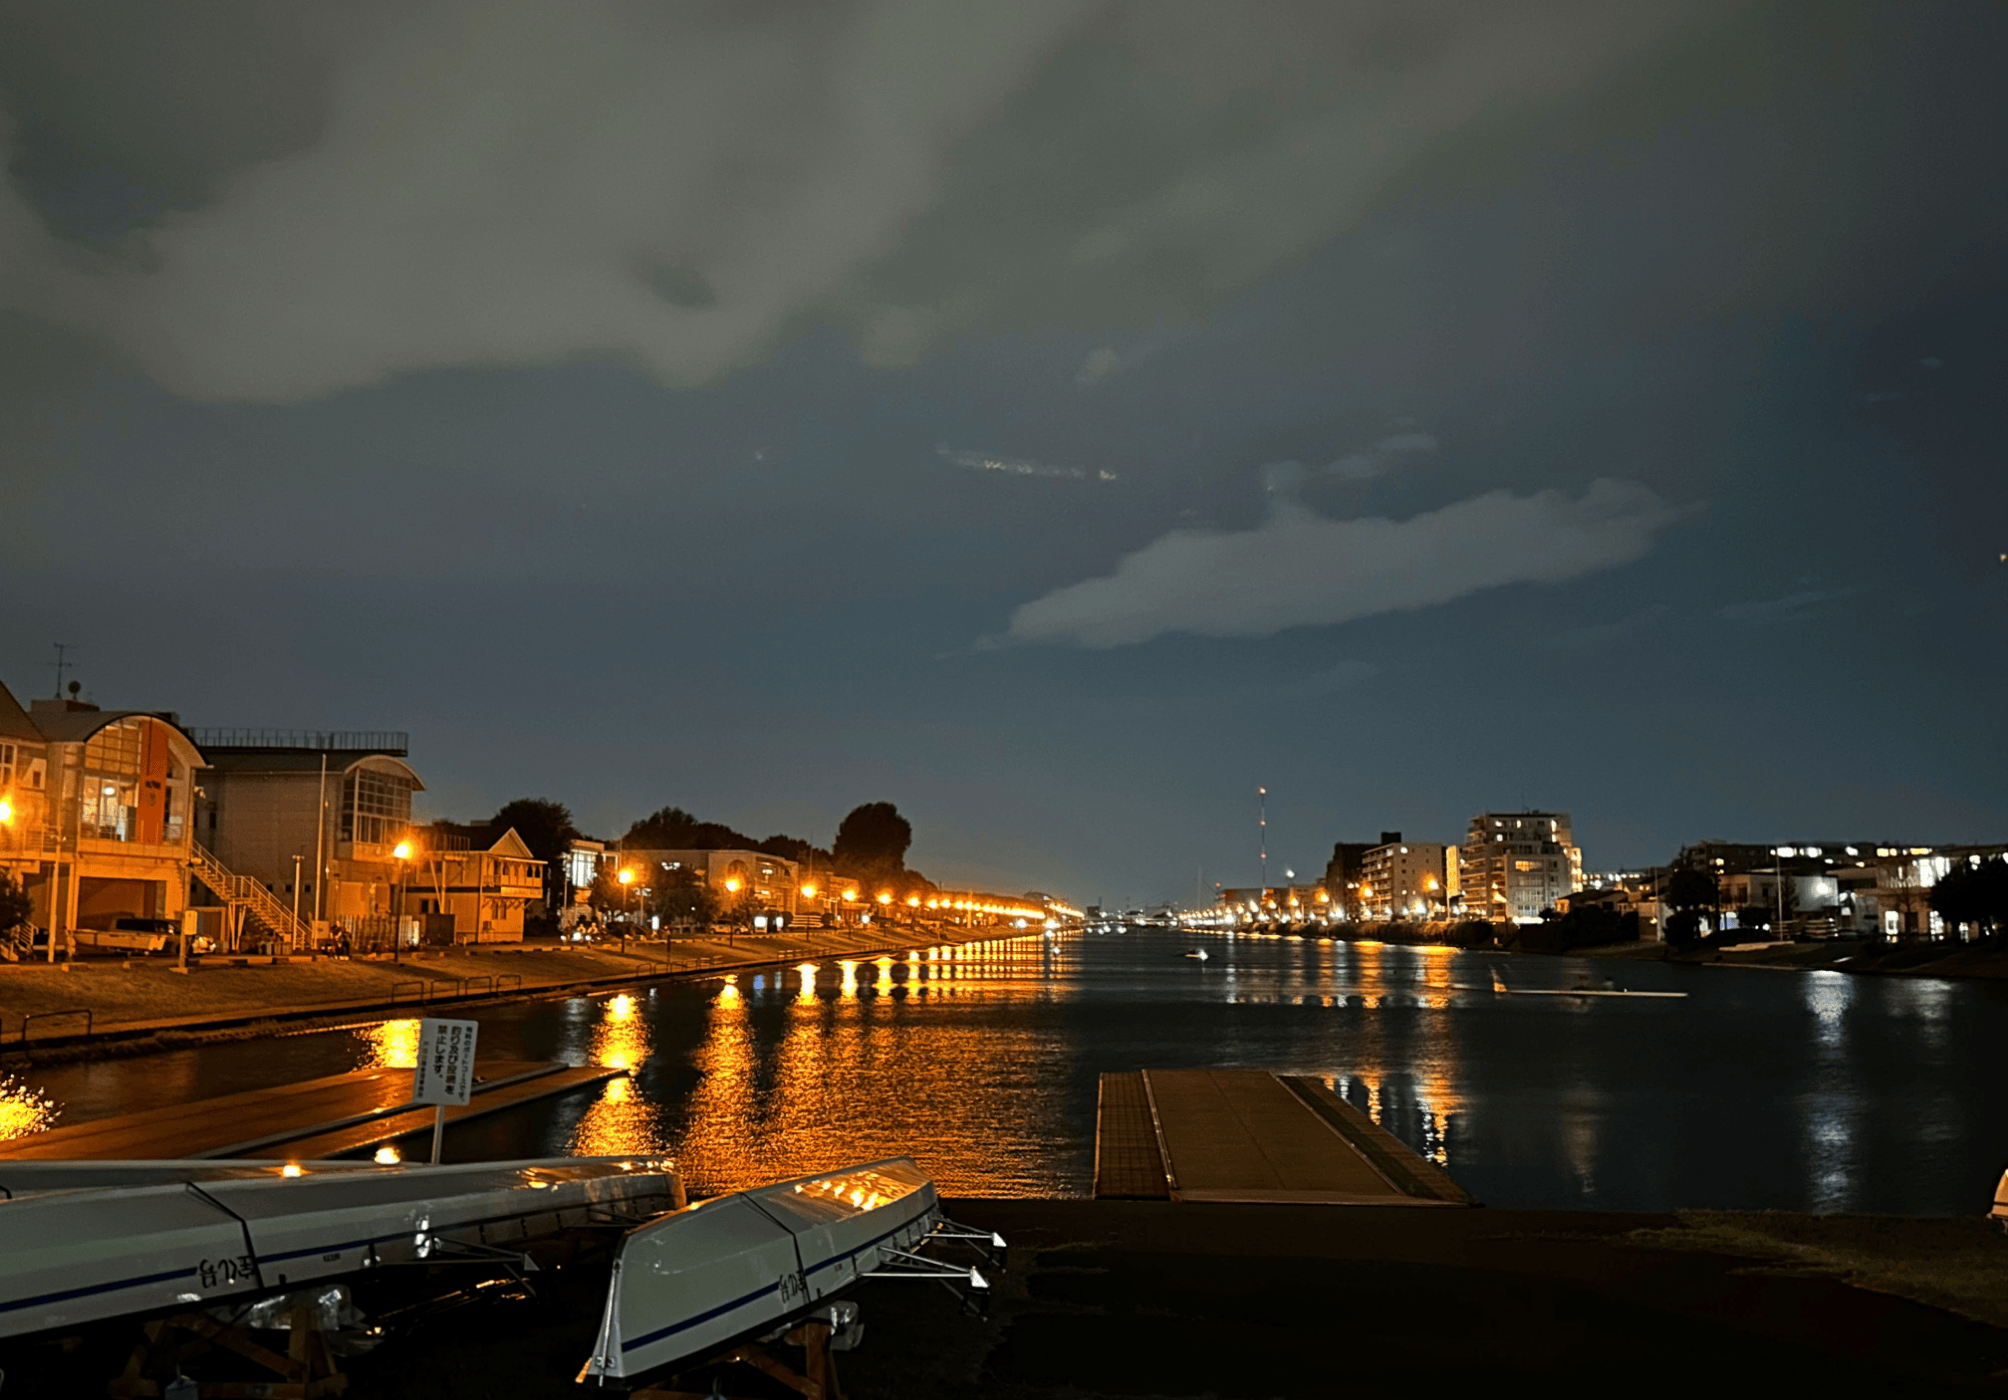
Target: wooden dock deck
[(1251, 1136), (313, 1118)]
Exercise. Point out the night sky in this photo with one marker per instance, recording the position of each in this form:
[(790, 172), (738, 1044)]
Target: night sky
[(1057, 418)]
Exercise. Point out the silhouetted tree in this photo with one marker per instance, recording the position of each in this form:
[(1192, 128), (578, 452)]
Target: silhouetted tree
[(673, 829), (873, 838), (546, 828), (796, 849), (1968, 894)]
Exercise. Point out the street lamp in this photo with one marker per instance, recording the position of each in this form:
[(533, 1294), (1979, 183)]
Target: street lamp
[(626, 877), (732, 887), (402, 851)]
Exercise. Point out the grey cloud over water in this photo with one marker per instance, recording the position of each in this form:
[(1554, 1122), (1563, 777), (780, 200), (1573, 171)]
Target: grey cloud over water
[(1298, 569)]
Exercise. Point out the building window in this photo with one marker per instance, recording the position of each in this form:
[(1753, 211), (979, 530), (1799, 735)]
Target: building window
[(375, 807)]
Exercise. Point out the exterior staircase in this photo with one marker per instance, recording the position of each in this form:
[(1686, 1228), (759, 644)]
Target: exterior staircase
[(261, 908)]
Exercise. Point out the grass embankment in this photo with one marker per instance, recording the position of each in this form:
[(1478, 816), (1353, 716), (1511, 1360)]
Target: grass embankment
[(1960, 1265), (1134, 1299), (131, 998)]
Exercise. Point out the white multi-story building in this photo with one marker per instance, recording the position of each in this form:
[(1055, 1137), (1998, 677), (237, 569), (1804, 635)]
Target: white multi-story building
[(1515, 864)]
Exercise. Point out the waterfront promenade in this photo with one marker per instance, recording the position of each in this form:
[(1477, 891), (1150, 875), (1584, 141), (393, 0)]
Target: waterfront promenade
[(104, 1006)]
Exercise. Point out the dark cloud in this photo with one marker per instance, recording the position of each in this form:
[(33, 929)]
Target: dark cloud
[(505, 183)]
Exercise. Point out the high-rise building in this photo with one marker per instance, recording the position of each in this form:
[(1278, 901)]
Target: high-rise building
[(1515, 864)]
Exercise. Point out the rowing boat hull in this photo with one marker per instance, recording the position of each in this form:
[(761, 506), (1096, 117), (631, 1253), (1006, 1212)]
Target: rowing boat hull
[(87, 1242), (692, 1283)]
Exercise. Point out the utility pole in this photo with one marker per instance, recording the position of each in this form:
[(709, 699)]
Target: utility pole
[(1262, 834)]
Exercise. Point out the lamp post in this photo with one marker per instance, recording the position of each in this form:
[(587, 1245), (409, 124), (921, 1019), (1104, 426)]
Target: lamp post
[(732, 887), (402, 851), (296, 903), (626, 877)]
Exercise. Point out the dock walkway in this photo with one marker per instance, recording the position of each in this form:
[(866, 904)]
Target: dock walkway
[(313, 1118), (1251, 1136)]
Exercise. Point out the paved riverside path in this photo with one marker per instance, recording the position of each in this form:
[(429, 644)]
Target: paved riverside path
[(336, 1113), (1250, 1136), (42, 1008)]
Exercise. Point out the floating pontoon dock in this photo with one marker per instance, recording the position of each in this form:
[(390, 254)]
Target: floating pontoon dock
[(315, 1118)]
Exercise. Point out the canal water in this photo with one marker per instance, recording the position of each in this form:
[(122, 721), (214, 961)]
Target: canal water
[(1758, 1089)]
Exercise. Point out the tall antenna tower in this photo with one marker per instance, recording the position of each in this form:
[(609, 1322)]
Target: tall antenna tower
[(62, 664), (1262, 830)]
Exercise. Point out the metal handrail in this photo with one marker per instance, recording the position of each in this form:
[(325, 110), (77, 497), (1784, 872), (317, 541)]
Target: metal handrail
[(509, 977), (83, 1011), (467, 984), (396, 985)]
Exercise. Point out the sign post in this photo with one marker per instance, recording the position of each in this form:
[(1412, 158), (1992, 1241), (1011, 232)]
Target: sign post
[(445, 1070)]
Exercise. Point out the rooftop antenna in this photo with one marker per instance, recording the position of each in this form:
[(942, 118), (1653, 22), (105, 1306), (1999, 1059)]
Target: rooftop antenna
[(62, 665), (1262, 830)]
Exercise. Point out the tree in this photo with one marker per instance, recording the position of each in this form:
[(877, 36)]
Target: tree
[(546, 828), (1967, 894), (1688, 888), (673, 829), (1683, 927), (681, 897), (873, 838)]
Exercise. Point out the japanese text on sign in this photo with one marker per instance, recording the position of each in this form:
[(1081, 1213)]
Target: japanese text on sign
[(445, 1072)]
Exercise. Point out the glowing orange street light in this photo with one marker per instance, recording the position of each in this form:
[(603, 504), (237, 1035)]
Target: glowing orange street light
[(6, 812), (808, 891), (403, 853), (732, 885), (626, 877)]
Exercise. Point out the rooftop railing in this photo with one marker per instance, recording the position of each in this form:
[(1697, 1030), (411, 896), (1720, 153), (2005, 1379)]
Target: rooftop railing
[(390, 741)]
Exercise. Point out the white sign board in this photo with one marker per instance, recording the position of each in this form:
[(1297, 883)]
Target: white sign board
[(445, 1072)]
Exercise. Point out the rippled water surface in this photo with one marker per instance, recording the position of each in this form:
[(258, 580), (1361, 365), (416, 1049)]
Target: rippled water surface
[(1811, 1091)]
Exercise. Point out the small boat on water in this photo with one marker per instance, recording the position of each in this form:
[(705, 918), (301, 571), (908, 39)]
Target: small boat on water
[(1199, 953), (90, 1241), (692, 1283)]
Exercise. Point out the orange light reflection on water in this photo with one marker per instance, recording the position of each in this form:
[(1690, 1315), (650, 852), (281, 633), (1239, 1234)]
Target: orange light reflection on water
[(389, 1045), (1427, 1090), (621, 1122), (829, 1081)]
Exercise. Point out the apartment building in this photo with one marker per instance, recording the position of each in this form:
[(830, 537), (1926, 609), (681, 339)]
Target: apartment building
[(1403, 879), (1513, 865)]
